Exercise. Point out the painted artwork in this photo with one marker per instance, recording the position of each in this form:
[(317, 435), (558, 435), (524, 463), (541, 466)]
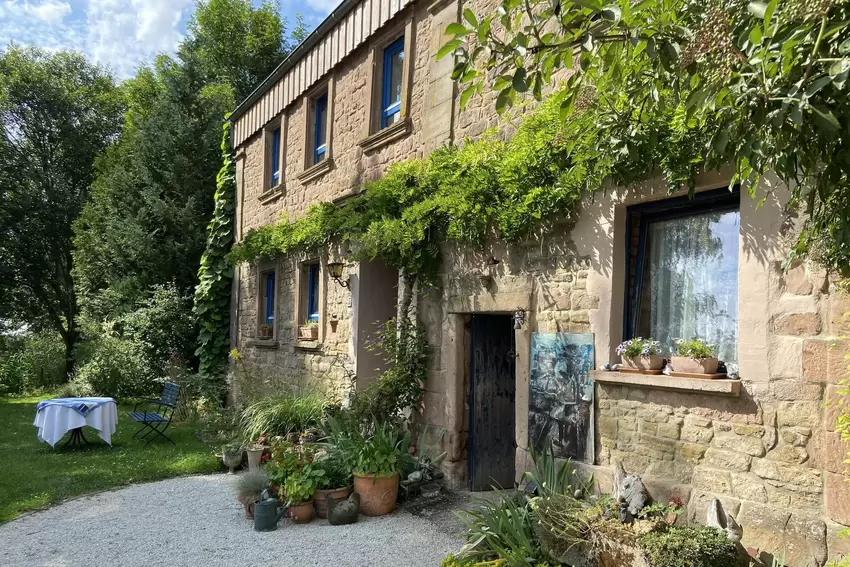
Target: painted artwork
[(560, 408)]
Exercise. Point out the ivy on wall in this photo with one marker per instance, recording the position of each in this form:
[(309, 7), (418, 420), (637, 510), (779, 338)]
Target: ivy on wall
[(212, 296), (489, 187)]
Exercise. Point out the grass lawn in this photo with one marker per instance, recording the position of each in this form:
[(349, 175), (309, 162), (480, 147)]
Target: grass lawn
[(33, 475)]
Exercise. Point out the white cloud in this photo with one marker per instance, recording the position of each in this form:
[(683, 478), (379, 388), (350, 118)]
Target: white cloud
[(50, 11)]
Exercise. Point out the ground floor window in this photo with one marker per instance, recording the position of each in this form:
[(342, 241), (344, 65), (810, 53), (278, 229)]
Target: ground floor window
[(684, 281), (310, 295)]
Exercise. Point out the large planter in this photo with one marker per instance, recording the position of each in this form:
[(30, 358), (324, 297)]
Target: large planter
[(694, 365), (301, 513), (320, 499), (308, 332), (652, 362), (255, 459), (378, 494)]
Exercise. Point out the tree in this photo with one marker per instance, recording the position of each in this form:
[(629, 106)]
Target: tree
[(57, 112), (757, 85)]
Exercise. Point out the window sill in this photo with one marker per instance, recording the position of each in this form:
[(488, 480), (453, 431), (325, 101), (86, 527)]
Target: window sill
[(663, 382), (308, 345), (383, 137), (263, 343), (271, 195), (316, 171)]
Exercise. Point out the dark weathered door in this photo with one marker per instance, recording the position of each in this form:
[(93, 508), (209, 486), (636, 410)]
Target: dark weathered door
[(492, 393)]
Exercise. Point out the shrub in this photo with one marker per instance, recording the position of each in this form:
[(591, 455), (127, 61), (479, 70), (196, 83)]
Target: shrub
[(501, 530), (283, 414), (31, 362), (695, 348), (639, 347), (117, 368), (689, 546)]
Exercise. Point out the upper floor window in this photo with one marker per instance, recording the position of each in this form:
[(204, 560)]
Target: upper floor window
[(685, 281), (391, 84), (275, 158), (320, 128)]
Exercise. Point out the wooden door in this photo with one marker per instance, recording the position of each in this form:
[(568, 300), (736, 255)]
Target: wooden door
[(492, 454)]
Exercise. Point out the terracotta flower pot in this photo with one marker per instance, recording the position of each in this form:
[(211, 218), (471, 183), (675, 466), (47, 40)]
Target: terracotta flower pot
[(694, 365), (378, 494), (651, 362), (308, 332), (301, 513), (320, 500), (249, 508)]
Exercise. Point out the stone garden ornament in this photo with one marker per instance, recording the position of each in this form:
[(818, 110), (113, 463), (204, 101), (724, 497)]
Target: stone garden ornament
[(723, 521), (629, 487)]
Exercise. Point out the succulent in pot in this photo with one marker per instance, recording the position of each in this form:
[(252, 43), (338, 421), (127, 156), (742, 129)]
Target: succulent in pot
[(694, 356), (641, 354)]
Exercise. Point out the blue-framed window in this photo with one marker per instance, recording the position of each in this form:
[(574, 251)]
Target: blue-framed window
[(268, 283), (391, 83), (320, 128), (312, 292), (275, 158), (682, 257)]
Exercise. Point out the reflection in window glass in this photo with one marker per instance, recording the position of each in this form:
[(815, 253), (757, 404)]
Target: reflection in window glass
[(391, 91)]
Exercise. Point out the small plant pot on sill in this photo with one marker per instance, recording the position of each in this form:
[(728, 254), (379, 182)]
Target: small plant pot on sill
[(694, 365), (320, 499), (265, 332), (651, 362), (301, 513), (378, 494), (308, 332)]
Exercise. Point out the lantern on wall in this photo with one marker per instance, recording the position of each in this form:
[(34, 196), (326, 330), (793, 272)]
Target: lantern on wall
[(335, 270)]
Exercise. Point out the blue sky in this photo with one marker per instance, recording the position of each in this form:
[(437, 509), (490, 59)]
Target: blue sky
[(121, 34)]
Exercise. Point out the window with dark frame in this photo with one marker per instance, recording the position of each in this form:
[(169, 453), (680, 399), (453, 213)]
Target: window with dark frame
[(311, 307), (682, 260), (320, 128), (274, 180), (267, 289), (391, 83)]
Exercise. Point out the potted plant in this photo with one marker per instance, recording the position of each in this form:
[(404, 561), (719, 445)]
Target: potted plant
[(255, 451), (231, 456), (299, 488), (283, 462), (248, 489), (309, 331), (694, 356), (641, 354), (265, 331), (381, 458), (335, 484)]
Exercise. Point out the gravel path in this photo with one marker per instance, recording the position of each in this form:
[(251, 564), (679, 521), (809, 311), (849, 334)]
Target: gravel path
[(196, 521)]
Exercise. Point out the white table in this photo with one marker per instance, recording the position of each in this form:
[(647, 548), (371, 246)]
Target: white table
[(55, 420)]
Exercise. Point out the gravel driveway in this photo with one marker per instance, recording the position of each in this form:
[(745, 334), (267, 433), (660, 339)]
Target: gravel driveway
[(197, 521)]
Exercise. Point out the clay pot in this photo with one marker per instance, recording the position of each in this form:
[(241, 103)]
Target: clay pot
[(694, 365), (321, 503), (378, 494), (249, 508), (301, 513), (651, 362)]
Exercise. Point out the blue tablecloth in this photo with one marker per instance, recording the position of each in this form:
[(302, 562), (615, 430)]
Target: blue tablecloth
[(82, 406)]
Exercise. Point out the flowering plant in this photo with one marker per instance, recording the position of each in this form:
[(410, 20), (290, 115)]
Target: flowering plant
[(695, 348), (259, 443), (639, 347)]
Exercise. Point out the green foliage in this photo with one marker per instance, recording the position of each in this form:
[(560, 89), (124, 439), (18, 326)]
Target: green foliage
[(212, 295), (562, 523), (639, 347), (689, 546), (503, 529), (282, 415), (57, 112), (384, 452), (695, 348), (547, 475), (758, 85), (452, 561), (301, 484), (405, 350), (249, 485), (31, 362), (115, 367)]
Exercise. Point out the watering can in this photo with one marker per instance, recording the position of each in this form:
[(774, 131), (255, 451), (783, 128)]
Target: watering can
[(267, 513)]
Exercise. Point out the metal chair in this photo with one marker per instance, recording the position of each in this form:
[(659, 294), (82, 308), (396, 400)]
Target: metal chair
[(157, 420)]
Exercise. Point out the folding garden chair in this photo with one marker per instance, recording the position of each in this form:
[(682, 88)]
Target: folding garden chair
[(157, 420)]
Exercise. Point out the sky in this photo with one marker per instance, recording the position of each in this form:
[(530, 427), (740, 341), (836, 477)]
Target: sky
[(121, 34)]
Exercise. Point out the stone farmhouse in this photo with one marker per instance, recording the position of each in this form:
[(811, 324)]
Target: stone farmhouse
[(365, 91)]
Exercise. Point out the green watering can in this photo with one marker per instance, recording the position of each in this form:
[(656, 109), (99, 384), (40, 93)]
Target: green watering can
[(267, 513)]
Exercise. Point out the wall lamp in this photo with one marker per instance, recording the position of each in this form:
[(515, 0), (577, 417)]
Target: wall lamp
[(335, 270)]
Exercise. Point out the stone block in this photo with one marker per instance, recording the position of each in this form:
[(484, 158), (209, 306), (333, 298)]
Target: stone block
[(795, 390), (608, 426), (838, 314), (830, 452), (789, 454), (796, 282), (838, 498), (692, 452), (797, 436), (749, 445), (669, 430), (748, 486), (649, 428), (677, 470), (794, 475), (712, 480), (770, 528), (580, 300), (728, 460), (825, 360), (629, 423), (803, 414), (695, 421), (835, 404), (799, 324), (664, 490), (696, 434), (748, 430)]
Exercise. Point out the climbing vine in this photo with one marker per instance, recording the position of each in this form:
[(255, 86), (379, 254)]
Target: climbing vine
[(487, 187), (212, 296)]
